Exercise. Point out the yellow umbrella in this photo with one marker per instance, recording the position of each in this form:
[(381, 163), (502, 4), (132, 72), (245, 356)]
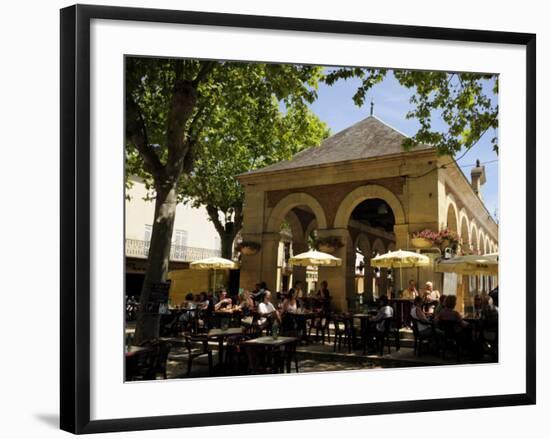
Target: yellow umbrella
[(213, 263), (400, 259), (315, 258), (470, 265)]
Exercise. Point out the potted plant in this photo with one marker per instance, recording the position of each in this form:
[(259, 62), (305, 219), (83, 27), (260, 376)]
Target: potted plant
[(328, 244), (248, 248), (424, 239), (447, 238)]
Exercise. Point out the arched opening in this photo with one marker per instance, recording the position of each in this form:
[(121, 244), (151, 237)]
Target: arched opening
[(297, 233), (464, 235), (363, 270), (373, 220), (452, 218)]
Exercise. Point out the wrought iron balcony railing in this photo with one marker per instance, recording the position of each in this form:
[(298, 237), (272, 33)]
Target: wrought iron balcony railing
[(140, 249)]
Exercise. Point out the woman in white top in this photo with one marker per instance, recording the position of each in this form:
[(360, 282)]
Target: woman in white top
[(290, 304)]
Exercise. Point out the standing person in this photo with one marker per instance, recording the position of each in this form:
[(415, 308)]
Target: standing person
[(323, 295), (430, 295), (410, 292)]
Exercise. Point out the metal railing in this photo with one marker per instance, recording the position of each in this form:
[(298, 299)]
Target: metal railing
[(140, 249)]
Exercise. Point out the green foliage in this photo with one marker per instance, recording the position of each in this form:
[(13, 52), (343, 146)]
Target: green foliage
[(227, 94), (461, 101), (257, 121)]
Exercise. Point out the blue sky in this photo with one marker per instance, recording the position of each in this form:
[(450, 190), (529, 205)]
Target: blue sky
[(391, 103)]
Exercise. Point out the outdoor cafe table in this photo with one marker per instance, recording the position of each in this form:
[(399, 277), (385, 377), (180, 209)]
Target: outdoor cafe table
[(275, 344), (233, 316), (221, 335)]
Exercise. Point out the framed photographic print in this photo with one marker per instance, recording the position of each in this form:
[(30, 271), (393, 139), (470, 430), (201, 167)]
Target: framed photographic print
[(274, 218)]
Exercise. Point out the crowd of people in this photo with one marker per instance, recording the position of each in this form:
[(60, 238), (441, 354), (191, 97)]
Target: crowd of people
[(258, 302)]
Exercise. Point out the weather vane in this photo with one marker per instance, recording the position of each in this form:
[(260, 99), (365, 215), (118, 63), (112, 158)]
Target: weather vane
[(372, 107)]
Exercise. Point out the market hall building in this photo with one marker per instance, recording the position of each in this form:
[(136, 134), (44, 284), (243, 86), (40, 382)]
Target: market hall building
[(360, 191)]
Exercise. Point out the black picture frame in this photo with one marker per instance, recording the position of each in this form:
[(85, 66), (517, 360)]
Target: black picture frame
[(75, 217)]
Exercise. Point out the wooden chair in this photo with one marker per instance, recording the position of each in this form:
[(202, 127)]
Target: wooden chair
[(452, 337), (197, 346), (419, 339), (342, 330), (321, 326), (383, 337)]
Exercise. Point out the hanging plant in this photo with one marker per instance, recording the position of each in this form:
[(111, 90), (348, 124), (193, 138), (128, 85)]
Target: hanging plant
[(248, 247), (328, 244), (424, 239), (447, 238)]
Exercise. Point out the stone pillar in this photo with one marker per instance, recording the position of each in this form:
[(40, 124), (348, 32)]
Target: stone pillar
[(269, 254), (341, 280), (299, 273), (251, 265), (402, 238)]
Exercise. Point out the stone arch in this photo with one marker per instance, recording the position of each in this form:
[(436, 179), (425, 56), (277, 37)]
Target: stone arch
[(481, 241), (451, 220), (363, 193), (488, 246), (391, 246), (474, 237), (284, 206), (464, 231), (295, 226)]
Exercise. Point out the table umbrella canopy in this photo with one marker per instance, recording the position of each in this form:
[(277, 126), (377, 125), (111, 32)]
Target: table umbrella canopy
[(470, 264), (315, 258), (400, 259), (213, 263)]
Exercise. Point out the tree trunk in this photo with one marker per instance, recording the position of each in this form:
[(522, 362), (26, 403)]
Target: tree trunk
[(147, 327), (227, 238)]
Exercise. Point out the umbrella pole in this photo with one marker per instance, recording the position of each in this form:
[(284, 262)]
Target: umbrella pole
[(401, 278)]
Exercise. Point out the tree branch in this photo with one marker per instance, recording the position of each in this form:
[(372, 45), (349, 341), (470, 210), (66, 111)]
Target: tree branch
[(213, 215), (205, 69), (136, 133)]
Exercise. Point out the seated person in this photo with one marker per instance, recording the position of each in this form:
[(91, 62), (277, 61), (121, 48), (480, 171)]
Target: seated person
[(477, 306), (189, 302), (410, 292), (203, 301), (290, 304), (448, 314), (223, 301), (440, 305), (384, 312), (267, 310), (422, 322), (430, 296), (244, 302)]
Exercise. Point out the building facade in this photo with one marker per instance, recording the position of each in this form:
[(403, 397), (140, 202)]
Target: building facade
[(361, 189), (194, 236)]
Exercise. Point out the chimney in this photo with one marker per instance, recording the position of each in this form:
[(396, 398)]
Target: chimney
[(478, 178)]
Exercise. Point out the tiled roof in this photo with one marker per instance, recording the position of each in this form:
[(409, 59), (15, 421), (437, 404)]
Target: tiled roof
[(367, 138)]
